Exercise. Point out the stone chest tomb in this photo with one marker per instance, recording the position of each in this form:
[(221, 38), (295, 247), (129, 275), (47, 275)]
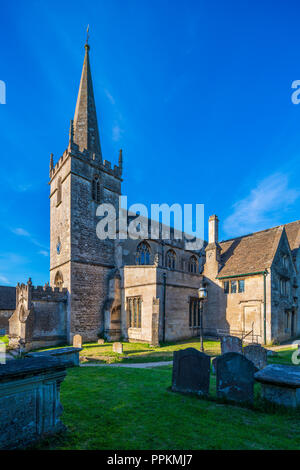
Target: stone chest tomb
[(280, 384), (30, 401)]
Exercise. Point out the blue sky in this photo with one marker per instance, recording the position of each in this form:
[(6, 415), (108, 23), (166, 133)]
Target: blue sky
[(196, 93)]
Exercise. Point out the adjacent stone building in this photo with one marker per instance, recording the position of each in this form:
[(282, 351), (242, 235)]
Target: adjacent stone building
[(147, 289), (253, 283)]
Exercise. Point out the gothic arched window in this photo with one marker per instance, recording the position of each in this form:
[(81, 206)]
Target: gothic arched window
[(96, 189), (58, 280), (193, 264), (59, 191), (171, 259), (143, 253)]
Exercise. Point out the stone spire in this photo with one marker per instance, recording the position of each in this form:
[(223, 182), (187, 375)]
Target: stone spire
[(86, 133)]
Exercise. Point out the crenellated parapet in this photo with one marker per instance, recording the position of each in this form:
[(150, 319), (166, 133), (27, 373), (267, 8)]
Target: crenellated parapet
[(27, 293), (86, 156)]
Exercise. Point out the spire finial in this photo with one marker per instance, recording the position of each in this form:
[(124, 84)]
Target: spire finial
[(87, 37)]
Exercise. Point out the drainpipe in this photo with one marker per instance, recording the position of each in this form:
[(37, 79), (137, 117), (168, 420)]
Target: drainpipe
[(265, 306), (164, 305)]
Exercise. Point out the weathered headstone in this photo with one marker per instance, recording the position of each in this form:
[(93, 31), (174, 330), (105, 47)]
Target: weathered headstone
[(280, 384), (118, 348), (257, 354), (77, 341), (101, 341), (231, 344), (235, 377), (191, 371)]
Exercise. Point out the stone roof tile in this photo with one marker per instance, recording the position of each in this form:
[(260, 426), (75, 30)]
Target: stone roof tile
[(255, 252)]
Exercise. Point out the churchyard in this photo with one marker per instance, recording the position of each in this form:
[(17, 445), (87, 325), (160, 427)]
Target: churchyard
[(141, 352), (110, 407), (122, 408)]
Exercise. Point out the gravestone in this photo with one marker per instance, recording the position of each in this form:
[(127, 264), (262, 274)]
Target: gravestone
[(191, 371), (257, 354), (77, 341), (101, 341), (118, 348), (231, 344), (235, 377)]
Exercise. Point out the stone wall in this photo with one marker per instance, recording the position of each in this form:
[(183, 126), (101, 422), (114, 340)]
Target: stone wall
[(180, 287), (147, 282), (139, 281), (89, 289)]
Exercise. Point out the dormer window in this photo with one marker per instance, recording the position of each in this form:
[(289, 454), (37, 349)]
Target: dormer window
[(96, 189)]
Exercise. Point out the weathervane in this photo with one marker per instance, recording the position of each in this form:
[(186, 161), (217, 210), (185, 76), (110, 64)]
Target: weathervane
[(87, 34)]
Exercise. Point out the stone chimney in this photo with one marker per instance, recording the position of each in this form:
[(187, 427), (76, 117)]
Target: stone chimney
[(213, 229), (213, 249)]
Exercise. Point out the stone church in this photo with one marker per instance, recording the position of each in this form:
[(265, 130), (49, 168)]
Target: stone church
[(147, 290)]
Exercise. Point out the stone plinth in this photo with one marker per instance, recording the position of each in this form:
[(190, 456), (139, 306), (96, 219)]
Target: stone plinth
[(280, 384), (30, 406), (69, 357)]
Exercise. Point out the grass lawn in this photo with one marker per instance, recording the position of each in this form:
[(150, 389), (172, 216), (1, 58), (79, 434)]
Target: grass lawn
[(4, 339), (141, 352), (113, 408), (284, 356)]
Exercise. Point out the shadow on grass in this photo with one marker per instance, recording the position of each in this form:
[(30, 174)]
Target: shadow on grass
[(259, 405)]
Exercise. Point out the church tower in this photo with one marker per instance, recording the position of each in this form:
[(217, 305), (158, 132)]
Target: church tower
[(79, 182)]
